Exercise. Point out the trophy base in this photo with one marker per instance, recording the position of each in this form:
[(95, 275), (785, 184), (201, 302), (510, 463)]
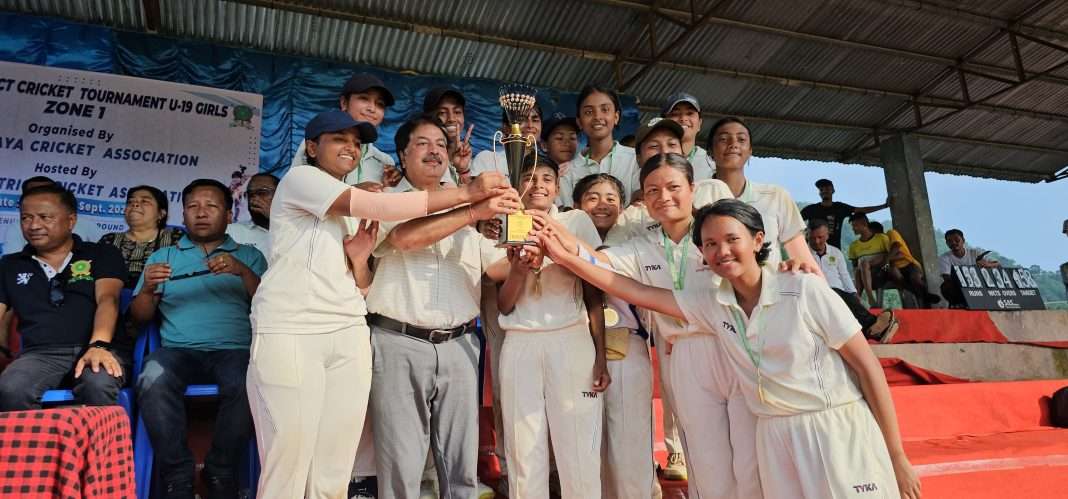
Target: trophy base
[(516, 229)]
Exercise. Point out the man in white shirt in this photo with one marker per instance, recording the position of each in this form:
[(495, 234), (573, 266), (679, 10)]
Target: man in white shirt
[(530, 127), (254, 233), (13, 240), (833, 264), (685, 110), (959, 254)]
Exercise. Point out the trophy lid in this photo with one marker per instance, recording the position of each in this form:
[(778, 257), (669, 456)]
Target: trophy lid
[(517, 100)]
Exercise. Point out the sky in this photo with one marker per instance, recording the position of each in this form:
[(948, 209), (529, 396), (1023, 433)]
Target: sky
[(1019, 220)]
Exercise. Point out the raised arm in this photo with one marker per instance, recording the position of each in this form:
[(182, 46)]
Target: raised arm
[(422, 232), (870, 209), (631, 291), (397, 206)]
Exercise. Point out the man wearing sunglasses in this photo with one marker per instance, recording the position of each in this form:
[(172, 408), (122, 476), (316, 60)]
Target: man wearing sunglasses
[(65, 293), (202, 289), (255, 233)]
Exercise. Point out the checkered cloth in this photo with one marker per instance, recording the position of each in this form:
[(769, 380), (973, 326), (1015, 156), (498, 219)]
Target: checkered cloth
[(69, 453)]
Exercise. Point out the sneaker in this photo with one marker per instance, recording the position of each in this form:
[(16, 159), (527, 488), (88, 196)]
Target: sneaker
[(485, 492), (676, 467), (882, 323), (219, 486), (428, 489), (365, 488), (891, 330)]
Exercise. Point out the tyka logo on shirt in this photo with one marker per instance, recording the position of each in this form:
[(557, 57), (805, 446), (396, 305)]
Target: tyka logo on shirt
[(865, 487), (650, 268), (589, 395), (730, 327)]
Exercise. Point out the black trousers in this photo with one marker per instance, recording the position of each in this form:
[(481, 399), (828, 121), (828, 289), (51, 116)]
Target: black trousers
[(863, 315)]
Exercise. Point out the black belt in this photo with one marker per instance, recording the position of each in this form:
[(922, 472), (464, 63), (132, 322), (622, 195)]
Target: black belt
[(438, 335)]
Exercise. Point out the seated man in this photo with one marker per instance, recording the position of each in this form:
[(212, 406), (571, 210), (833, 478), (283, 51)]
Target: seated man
[(904, 269), (959, 254), (869, 254), (65, 293), (13, 239), (833, 264), (202, 289)]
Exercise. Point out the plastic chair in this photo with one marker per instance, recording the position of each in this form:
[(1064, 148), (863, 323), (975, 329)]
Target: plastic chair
[(126, 395), (144, 457)]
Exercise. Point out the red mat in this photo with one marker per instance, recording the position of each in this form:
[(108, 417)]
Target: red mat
[(901, 373), (946, 326)]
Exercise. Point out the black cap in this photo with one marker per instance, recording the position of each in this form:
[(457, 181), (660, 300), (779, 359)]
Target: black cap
[(362, 82), (677, 99), (557, 120), (822, 182), (656, 124), (336, 120), (434, 96)]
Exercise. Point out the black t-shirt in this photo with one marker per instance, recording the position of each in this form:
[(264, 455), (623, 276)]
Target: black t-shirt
[(26, 289), (836, 215)]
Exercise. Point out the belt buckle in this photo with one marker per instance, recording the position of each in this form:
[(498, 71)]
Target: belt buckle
[(439, 335)]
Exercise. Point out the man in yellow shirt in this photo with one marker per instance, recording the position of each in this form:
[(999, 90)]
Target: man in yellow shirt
[(904, 269), (870, 256)]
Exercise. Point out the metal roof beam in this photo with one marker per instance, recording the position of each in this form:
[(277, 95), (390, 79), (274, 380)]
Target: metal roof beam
[(980, 19), (290, 6), (659, 55)]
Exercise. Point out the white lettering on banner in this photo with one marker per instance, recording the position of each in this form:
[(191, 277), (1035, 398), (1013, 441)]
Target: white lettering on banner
[(99, 134)]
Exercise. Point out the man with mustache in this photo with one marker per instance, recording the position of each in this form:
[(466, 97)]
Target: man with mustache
[(254, 233), (423, 300)]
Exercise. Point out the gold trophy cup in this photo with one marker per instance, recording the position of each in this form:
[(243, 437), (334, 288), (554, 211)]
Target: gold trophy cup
[(517, 101)]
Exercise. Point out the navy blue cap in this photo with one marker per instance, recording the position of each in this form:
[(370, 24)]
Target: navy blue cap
[(557, 119), (656, 124), (434, 96), (362, 82), (336, 120), (678, 98)]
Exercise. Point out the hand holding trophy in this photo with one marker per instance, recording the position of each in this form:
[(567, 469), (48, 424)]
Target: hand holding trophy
[(517, 101)]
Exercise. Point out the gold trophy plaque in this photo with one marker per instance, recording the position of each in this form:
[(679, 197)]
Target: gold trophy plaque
[(517, 101)]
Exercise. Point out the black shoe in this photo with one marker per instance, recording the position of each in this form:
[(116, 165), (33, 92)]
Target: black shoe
[(365, 488), (219, 486), (178, 490)]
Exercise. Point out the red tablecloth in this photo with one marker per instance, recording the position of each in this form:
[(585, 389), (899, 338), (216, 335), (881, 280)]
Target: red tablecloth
[(70, 453)]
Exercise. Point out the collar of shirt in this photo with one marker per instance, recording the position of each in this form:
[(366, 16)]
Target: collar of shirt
[(228, 245), (769, 291), (48, 270), (588, 162), (748, 195)]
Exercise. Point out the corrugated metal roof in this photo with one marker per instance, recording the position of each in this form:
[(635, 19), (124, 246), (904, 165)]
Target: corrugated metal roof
[(817, 77)]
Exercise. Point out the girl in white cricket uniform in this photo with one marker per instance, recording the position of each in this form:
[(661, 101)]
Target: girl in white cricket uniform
[(717, 427), (790, 340), (310, 368), (628, 414), (553, 361), (598, 115), (731, 146)]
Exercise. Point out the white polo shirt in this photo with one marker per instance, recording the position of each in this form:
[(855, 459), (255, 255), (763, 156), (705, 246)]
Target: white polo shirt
[(794, 333), (250, 234), (618, 235), (484, 162), (370, 169), (782, 219), (947, 260), (704, 167), (636, 219), (308, 288), (620, 162), (559, 303), (644, 258), (835, 268), (439, 286)]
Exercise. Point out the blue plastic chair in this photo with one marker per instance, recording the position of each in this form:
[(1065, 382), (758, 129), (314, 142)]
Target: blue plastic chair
[(126, 395), (144, 457)]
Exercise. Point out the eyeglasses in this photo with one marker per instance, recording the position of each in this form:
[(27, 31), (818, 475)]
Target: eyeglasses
[(57, 291), (191, 274)]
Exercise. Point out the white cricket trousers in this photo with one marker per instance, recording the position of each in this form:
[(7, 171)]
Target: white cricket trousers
[(717, 425), (837, 453), (308, 394), (627, 445), (547, 386), (672, 436)]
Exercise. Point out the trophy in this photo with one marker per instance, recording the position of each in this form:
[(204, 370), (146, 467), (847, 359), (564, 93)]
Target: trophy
[(517, 101)]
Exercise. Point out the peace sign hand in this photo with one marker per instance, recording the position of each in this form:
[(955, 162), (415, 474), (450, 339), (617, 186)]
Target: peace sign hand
[(461, 155)]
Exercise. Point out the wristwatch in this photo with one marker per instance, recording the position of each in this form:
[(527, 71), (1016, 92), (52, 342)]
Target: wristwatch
[(106, 345)]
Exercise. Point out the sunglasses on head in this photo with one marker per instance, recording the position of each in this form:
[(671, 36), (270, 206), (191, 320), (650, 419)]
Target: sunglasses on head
[(57, 287)]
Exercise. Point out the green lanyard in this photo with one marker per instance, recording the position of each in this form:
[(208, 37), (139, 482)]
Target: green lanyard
[(693, 152), (678, 274), (359, 166), (611, 154), (754, 355)]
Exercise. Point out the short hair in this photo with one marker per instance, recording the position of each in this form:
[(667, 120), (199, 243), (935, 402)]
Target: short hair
[(589, 90), (404, 134), (711, 140), (66, 197), (531, 162), (738, 210), (671, 160), (816, 223), (273, 178), (876, 227), (37, 179), (824, 182), (858, 216), (587, 182), (228, 197), (161, 201), (958, 232)]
